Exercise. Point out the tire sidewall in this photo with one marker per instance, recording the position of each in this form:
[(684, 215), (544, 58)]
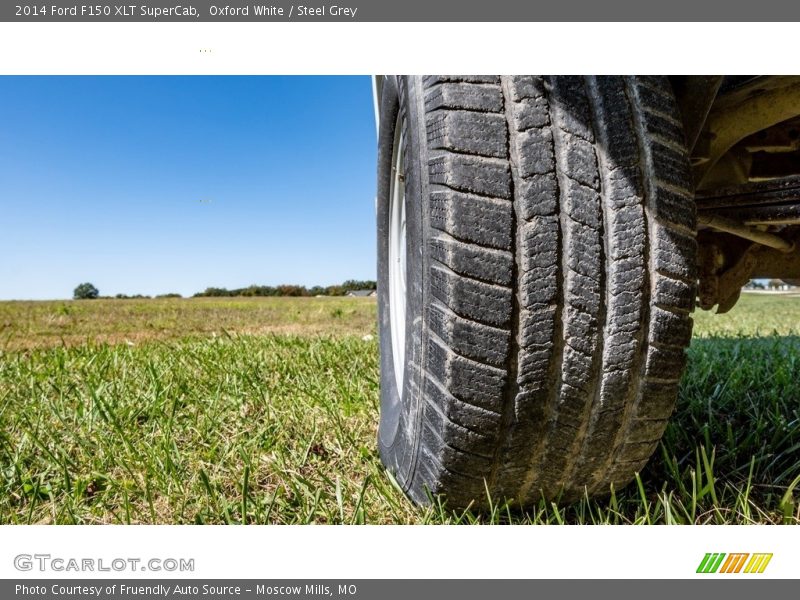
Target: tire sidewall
[(398, 432)]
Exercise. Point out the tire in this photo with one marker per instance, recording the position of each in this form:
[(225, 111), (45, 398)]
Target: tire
[(550, 276)]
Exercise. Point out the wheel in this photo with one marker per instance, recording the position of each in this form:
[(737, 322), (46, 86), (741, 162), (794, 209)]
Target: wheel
[(536, 275)]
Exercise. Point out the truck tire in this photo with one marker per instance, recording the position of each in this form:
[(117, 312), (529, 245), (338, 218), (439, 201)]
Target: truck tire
[(536, 275)]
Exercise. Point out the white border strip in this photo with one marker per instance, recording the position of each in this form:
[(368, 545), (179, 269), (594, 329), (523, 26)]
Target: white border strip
[(367, 48), (427, 552)]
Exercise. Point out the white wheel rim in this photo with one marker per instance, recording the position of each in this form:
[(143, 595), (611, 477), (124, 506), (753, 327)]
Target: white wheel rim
[(397, 260)]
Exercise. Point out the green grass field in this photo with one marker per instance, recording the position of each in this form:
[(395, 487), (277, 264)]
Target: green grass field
[(266, 410)]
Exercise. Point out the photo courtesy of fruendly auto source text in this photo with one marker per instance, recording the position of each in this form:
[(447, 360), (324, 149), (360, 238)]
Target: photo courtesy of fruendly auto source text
[(249, 278)]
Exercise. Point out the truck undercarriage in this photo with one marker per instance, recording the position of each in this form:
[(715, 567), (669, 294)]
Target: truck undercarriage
[(743, 135)]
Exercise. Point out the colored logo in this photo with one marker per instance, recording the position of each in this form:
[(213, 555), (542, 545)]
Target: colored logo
[(742, 562)]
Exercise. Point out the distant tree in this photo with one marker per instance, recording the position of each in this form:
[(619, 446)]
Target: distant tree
[(214, 292), (85, 291), (292, 290), (775, 284), (335, 290), (352, 285), (170, 295)]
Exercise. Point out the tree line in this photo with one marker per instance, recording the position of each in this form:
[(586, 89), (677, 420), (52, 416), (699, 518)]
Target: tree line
[(87, 291), (350, 285)]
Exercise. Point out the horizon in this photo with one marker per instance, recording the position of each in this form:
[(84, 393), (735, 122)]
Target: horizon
[(205, 293), (173, 184)]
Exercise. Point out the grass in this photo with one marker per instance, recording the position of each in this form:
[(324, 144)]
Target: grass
[(27, 325), (265, 411)]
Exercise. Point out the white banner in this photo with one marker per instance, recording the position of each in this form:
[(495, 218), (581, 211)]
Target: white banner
[(396, 551)]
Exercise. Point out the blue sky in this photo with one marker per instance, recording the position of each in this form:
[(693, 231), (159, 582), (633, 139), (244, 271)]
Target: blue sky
[(173, 184)]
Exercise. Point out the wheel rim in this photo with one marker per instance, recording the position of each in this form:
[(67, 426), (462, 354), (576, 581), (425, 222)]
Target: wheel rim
[(397, 260)]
